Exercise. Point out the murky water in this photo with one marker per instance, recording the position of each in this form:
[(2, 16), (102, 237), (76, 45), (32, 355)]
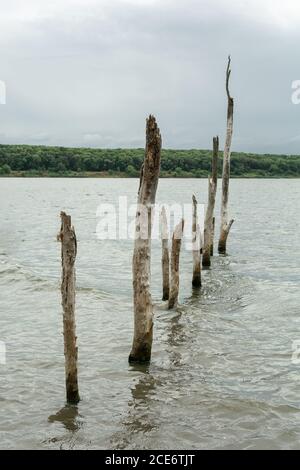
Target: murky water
[(221, 374)]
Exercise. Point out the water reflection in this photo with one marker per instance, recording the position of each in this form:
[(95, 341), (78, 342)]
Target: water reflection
[(140, 419), (142, 393), (68, 416), (176, 333), (176, 336), (143, 415)]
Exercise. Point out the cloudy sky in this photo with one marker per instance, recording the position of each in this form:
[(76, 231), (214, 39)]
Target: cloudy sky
[(87, 72)]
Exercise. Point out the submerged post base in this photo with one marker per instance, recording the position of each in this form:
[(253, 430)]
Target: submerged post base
[(73, 397), (206, 263), (197, 281), (166, 295), (140, 354), (223, 238), (222, 248)]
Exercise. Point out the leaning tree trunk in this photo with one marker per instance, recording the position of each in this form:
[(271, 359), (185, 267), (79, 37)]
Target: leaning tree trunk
[(175, 254), (68, 255), (143, 309), (196, 247), (209, 217), (225, 223), (165, 262)]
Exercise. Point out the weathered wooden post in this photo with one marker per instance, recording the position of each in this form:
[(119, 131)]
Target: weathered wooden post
[(143, 309), (196, 246), (212, 236), (68, 240), (165, 261), (209, 216), (175, 254), (225, 223)]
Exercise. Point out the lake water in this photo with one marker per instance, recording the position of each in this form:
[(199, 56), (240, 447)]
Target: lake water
[(221, 375)]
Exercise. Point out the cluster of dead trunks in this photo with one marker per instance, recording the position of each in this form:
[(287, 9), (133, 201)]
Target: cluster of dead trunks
[(202, 249)]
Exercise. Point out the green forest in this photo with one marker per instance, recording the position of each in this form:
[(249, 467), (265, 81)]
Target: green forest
[(29, 160)]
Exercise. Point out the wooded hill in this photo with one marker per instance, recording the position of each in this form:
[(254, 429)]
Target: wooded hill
[(31, 160)]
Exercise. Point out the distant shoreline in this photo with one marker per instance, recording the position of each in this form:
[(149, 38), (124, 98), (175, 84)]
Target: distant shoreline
[(63, 162), (103, 175)]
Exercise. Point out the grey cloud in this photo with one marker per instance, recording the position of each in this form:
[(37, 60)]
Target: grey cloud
[(91, 76)]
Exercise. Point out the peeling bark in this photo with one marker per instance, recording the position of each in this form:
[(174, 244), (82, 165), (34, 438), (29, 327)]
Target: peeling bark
[(196, 241), (143, 309), (165, 261), (225, 223), (68, 240), (175, 254), (209, 216)]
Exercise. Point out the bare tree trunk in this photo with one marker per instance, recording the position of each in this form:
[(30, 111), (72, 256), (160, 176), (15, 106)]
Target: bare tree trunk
[(225, 223), (165, 262), (143, 309), (209, 217), (68, 255), (212, 236), (196, 241), (175, 254)]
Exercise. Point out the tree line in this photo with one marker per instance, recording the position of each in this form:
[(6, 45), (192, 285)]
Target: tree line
[(33, 160)]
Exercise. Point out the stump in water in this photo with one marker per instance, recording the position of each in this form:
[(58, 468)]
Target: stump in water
[(165, 261), (68, 255), (143, 309), (209, 217), (196, 241), (225, 223), (175, 254)]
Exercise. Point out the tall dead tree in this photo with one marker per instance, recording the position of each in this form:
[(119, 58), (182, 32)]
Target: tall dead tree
[(225, 223), (165, 262), (196, 247), (209, 216), (143, 309), (68, 240), (175, 254)]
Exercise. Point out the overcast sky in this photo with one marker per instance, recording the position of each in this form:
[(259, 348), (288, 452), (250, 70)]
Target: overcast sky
[(88, 72)]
